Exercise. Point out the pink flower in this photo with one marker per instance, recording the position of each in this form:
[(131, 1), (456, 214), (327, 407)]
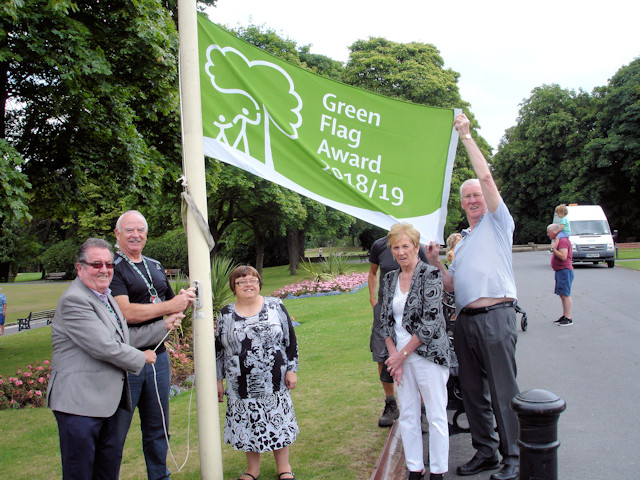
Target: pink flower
[(40, 367), (39, 393), (46, 362), (41, 380)]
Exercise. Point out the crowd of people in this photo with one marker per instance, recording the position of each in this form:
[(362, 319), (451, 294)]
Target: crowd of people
[(111, 323)]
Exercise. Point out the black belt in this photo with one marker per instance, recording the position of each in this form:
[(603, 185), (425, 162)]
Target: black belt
[(477, 311)]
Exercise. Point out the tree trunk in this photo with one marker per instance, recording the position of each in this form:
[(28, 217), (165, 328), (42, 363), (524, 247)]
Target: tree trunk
[(292, 250), (301, 254), (259, 251)]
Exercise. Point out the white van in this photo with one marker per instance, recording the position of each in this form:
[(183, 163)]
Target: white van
[(591, 239)]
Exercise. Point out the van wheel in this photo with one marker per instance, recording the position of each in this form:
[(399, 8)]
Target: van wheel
[(611, 263)]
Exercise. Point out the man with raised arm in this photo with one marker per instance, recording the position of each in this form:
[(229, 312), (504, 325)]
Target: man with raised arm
[(485, 332), (142, 290)]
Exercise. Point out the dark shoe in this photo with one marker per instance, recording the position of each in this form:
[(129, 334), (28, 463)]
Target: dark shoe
[(477, 465), (436, 476), (565, 322), (390, 413), (560, 319), (508, 472), (292, 477), (417, 475)]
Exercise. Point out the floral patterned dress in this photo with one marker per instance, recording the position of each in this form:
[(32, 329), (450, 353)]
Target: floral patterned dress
[(254, 354)]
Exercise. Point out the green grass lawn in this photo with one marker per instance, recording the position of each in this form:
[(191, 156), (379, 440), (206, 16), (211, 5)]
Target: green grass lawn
[(338, 400), (625, 253)]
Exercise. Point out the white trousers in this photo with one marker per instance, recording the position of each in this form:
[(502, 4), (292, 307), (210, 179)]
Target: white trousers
[(422, 376)]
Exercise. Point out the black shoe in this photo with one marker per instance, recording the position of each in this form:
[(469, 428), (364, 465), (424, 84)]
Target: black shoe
[(565, 322), (390, 413), (508, 472), (436, 476), (416, 475), (560, 319), (477, 465)]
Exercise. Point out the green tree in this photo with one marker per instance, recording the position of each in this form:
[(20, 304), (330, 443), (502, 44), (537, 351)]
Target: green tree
[(609, 173), (14, 213), (536, 161), (90, 101), (415, 72)]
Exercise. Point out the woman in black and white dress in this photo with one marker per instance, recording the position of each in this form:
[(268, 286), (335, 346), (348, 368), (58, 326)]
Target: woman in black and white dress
[(257, 354)]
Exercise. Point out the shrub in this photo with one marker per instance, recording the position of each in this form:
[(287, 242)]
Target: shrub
[(27, 389), (61, 257), (170, 249), (181, 357)]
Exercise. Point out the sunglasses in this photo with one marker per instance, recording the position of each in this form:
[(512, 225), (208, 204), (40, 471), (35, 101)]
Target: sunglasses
[(99, 265)]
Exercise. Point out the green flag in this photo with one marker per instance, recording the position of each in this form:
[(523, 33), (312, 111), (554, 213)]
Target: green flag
[(376, 158)]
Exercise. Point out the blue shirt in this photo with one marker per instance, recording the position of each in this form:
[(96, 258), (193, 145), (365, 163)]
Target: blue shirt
[(482, 266)]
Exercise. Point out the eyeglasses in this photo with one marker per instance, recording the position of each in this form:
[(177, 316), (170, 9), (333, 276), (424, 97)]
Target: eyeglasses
[(475, 196), (99, 265), (250, 281)]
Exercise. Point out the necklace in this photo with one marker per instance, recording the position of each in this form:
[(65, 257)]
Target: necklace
[(153, 293)]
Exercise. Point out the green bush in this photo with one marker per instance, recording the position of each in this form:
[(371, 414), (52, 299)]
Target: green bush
[(61, 257), (170, 249)]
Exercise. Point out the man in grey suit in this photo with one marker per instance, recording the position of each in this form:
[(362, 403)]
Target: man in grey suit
[(91, 358)]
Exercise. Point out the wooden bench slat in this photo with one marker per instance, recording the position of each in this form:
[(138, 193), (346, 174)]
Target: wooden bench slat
[(55, 276)]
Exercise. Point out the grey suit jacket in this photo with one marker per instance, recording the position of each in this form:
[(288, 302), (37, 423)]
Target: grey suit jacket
[(91, 354)]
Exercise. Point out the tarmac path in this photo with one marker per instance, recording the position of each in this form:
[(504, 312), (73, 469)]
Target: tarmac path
[(593, 365)]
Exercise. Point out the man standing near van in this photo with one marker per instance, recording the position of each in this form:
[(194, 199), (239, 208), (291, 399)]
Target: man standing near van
[(561, 262)]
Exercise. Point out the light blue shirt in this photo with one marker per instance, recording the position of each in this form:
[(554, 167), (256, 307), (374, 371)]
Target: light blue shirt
[(482, 266)]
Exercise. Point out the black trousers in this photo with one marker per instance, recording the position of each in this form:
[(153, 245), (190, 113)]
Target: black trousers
[(88, 447), (485, 344)]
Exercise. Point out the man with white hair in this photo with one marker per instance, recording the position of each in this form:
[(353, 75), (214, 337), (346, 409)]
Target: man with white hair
[(142, 290), (485, 333)]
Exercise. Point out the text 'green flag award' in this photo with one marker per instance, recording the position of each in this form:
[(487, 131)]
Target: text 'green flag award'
[(378, 159)]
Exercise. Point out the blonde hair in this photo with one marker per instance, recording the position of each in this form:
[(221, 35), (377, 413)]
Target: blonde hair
[(562, 210), (452, 240), (400, 229)]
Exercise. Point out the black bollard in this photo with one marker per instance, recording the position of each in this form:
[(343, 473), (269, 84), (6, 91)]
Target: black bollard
[(538, 412)]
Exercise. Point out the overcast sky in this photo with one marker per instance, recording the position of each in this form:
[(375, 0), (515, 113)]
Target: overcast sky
[(501, 49)]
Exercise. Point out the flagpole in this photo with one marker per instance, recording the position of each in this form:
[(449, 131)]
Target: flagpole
[(199, 270)]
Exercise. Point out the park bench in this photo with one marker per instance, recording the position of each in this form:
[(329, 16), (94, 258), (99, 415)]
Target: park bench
[(25, 323), (364, 257), (55, 276), (172, 273)]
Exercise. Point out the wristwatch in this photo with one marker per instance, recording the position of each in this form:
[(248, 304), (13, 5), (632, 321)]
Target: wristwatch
[(467, 136), (404, 352)]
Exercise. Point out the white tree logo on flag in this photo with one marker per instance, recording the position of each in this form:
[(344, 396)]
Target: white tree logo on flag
[(279, 103)]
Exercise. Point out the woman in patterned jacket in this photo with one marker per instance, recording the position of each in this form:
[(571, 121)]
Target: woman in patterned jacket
[(420, 353), (257, 354)]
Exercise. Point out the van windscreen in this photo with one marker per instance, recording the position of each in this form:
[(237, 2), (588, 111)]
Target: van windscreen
[(589, 227)]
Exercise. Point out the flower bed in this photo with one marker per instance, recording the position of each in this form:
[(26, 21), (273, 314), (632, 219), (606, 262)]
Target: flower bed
[(28, 388), (348, 283)]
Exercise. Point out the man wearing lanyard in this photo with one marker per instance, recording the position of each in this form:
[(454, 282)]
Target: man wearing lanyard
[(143, 293)]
